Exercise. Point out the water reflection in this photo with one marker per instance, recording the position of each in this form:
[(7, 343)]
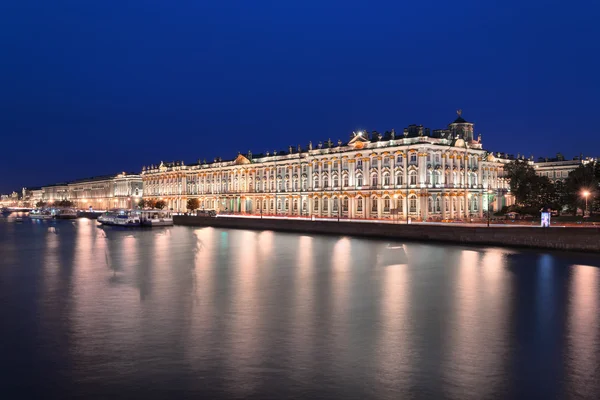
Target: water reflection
[(225, 313)]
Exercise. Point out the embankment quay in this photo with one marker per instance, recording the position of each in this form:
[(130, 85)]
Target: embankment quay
[(556, 238)]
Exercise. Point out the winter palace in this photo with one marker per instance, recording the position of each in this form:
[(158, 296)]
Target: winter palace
[(437, 175)]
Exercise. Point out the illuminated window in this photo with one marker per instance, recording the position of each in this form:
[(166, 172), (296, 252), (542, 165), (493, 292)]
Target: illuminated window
[(386, 205), (359, 180), (374, 205), (359, 204)]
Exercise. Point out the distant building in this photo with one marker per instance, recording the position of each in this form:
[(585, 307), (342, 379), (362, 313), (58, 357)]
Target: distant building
[(99, 192), (558, 169)]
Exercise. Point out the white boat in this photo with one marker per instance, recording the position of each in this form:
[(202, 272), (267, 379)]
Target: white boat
[(156, 218), (40, 214), (126, 218), (65, 213)]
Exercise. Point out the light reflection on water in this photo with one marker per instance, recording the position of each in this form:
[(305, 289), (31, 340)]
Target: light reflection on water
[(103, 312)]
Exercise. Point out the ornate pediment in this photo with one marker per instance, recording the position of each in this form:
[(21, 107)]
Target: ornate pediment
[(241, 160), (358, 141)]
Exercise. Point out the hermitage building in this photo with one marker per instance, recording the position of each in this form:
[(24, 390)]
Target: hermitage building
[(439, 175)]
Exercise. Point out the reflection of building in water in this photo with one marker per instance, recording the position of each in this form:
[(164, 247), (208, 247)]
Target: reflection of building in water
[(441, 174)]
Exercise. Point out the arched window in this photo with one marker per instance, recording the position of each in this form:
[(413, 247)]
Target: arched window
[(374, 180), (374, 204), (359, 164), (386, 179), (287, 204), (279, 204), (359, 204), (475, 204), (359, 180), (436, 178), (412, 206), (413, 177), (399, 178), (430, 204), (429, 177), (295, 204), (345, 204), (346, 181), (325, 182), (316, 204), (399, 159), (386, 204), (438, 207), (325, 204), (335, 181), (336, 205), (316, 183)]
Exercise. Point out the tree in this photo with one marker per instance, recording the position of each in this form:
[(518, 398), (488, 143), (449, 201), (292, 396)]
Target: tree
[(532, 192), (193, 204), (142, 203), (150, 203), (584, 178), (64, 203), (160, 204), (40, 204)]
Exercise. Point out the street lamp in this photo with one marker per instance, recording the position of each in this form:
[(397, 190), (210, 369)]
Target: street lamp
[(488, 213), (585, 194)]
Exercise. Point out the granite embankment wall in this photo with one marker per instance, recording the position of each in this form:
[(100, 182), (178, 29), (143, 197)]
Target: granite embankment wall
[(575, 239)]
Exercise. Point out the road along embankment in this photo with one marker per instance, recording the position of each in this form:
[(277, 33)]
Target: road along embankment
[(574, 239)]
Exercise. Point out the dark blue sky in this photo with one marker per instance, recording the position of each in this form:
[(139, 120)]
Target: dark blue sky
[(90, 88)]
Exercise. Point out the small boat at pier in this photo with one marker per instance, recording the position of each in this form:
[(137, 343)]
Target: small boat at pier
[(40, 214), (65, 213), (126, 218), (156, 218)]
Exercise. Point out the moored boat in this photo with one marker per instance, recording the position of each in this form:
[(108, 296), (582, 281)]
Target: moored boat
[(40, 214), (65, 213), (156, 218), (126, 218)]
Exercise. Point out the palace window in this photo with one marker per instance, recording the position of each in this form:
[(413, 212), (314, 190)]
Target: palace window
[(386, 161), (399, 204), (413, 204), (438, 208), (413, 177), (359, 180), (386, 205), (374, 180), (325, 182), (335, 164), (344, 164), (399, 178), (316, 183), (430, 204), (386, 179), (413, 158), (359, 164), (295, 204), (287, 204), (346, 181), (335, 182), (325, 204), (374, 162), (374, 205), (316, 205), (399, 159), (359, 204), (335, 204), (345, 204)]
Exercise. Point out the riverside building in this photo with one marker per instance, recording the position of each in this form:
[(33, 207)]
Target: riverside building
[(100, 192), (443, 174)]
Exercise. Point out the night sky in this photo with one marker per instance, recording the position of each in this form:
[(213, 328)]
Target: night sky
[(98, 87)]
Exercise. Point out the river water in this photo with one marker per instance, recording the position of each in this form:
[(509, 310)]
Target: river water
[(90, 312)]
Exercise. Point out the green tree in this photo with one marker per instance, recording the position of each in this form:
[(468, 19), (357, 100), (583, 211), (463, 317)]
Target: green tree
[(150, 203), (142, 203), (40, 204), (193, 204), (64, 203), (584, 178), (532, 192), (160, 204)]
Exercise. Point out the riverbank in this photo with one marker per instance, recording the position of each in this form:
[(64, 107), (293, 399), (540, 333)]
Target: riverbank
[(556, 238)]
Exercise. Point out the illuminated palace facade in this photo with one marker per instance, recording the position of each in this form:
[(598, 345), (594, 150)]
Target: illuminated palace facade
[(444, 174)]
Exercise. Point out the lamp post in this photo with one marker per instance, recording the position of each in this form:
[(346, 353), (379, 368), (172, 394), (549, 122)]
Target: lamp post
[(585, 194), (488, 210)]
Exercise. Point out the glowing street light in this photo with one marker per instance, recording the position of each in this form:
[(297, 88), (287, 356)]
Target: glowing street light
[(585, 194)]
